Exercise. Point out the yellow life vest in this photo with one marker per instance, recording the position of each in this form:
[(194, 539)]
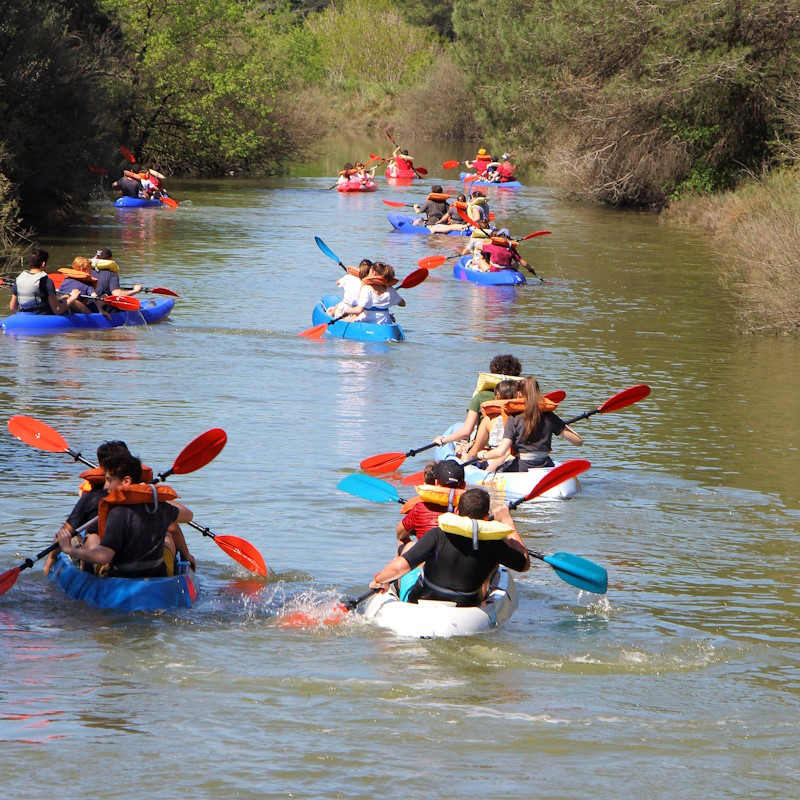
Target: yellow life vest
[(482, 530), (439, 495), (488, 380), (105, 263)]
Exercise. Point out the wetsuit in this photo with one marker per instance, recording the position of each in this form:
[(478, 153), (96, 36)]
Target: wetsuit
[(453, 569)]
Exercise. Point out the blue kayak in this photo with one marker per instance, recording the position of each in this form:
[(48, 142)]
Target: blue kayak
[(505, 277), (405, 224), (360, 331), (500, 184), (23, 323), (137, 202), (126, 594)]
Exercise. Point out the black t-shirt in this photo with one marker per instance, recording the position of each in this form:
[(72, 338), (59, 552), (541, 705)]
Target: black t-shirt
[(452, 563), (434, 210), (538, 445), (136, 534), (86, 509)]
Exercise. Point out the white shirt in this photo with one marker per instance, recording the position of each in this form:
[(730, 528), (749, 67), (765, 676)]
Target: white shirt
[(352, 288), (376, 304)]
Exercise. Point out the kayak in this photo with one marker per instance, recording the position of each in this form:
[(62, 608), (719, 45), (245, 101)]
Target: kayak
[(513, 484), (405, 224), (357, 186), (25, 323), (501, 184), (360, 331), (400, 174), (126, 594), (503, 277), (427, 619), (137, 202)]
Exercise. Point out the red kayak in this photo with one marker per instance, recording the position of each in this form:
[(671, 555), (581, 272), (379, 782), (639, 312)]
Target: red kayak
[(357, 186)]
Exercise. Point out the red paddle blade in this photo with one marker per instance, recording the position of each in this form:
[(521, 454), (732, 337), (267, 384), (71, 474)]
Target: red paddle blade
[(557, 396), (394, 204), (450, 164), (163, 290), (98, 170), (471, 178), (200, 451), (385, 462), (123, 303), (168, 201), (8, 579), (431, 262), (36, 434), (559, 474), (415, 479), (317, 332), (625, 398), (127, 154), (243, 552), (421, 170), (309, 619), (533, 235), (414, 278)]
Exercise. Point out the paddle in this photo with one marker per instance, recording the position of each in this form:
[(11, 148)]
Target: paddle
[(576, 571), (328, 252), (155, 290), (557, 475), (368, 488), (127, 154), (413, 279), (98, 170), (122, 303), (431, 262), (389, 462), (394, 204), (168, 201), (199, 452), (450, 164), (9, 578), (418, 171), (623, 399)]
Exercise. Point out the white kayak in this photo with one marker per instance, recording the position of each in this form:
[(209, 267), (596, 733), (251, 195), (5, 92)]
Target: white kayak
[(440, 618), (513, 484)]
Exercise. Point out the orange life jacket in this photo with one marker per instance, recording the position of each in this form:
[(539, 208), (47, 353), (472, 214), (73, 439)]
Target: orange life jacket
[(440, 495), (135, 494), (438, 197), (516, 405), (95, 477)]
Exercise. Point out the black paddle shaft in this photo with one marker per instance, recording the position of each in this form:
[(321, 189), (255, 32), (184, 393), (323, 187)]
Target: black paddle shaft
[(421, 449)]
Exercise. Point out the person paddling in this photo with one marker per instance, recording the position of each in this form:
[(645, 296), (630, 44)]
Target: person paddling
[(376, 297), (499, 252), (79, 276), (33, 291), (480, 162), (106, 271), (459, 554), (403, 161), (449, 475), (133, 523), (351, 283), (434, 207)]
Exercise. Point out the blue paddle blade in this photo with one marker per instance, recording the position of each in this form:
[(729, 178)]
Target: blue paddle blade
[(369, 488), (577, 571), (325, 249)]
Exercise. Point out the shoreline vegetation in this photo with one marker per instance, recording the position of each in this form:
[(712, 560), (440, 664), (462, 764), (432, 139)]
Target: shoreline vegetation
[(668, 107)]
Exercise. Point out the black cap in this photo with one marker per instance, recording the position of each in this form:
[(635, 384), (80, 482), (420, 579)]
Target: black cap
[(449, 473), (104, 252)]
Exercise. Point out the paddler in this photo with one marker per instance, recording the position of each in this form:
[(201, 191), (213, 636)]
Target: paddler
[(434, 207), (452, 220), (499, 252), (500, 368), (377, 295), (460, 553), (79, 276), (136, 527), (439, 493), (106, 271), (35, 292), (480, 162), (351, 283), (403, 161)]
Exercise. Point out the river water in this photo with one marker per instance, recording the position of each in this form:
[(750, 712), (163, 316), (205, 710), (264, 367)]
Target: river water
[(683, 681)]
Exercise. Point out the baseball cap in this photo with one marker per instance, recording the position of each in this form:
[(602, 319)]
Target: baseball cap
[(449, 473)]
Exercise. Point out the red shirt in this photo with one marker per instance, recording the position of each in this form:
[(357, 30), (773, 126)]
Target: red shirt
[(422, 518), (501, 256)]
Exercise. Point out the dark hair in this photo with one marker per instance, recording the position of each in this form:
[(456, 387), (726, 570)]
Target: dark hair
[(462, 198), (532, 414), (38, 258), (436, 188), (506, 390), (505, 365), (404, 152), (474, 503), (427, 475), (108, 450), (123, 465)]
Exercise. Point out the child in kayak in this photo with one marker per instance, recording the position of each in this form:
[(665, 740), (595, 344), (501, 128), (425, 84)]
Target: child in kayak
[(79, 276), (529, 434), (376, 297), (490, 431), (105, 270), (351, 284)]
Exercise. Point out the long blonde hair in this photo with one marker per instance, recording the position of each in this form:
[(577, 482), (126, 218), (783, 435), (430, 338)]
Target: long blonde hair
[(533, 398)]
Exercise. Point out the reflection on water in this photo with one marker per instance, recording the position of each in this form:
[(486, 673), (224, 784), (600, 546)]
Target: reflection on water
[(692, 504)]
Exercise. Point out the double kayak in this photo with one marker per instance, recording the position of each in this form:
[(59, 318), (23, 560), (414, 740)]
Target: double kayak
[(501, 184), (126, 594), (503, 277), (25, 323), (359, 331), (405, 224), (357, 186), (427, 619), (513, 484), (137, 202)]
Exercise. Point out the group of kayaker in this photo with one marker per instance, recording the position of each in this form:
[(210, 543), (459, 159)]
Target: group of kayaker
[(147, 184), (489, 169), (81, 290), (369, 293), (460, 553), (136, 531), (357, 172)]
